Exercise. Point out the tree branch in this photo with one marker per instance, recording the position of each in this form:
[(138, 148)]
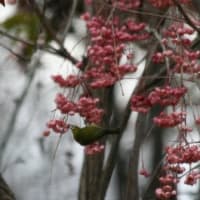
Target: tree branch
[(47, 27), (69, 21), (48, 48), (14, 53), (112, 157)]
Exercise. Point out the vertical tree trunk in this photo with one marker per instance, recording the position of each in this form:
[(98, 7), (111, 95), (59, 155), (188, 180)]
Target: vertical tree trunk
[(143, 124), (90, 178)]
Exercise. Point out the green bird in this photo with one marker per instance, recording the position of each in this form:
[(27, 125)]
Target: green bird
[(90, 134)]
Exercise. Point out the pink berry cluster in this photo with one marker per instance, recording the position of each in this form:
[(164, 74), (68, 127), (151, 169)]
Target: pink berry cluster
[(69, 81), (108, 41), (197, 121), (192, 178), (167, 189), (175, 157), (169, 120), (163, 96), (185, 129), (183, 154), (177, 49), (144, 172), (58, 126), (86, 107), (109, 37), (167, 95), (126, 4), (181, 60), (120, 4), (166, 3), (140, 103), (94, 148)]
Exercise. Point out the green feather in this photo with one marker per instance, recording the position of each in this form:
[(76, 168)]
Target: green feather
[(90, 134)]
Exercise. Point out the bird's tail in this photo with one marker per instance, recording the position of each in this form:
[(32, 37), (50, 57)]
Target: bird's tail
[(112, 131)]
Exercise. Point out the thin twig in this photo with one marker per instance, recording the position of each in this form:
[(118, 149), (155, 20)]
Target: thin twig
[(12, 37), (14, 53), (69, 21), (147, 13), (47, 27), (48, 48)]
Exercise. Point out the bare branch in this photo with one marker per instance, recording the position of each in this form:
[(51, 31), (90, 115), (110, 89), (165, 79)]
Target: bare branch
[(12, 37), (48, 48), (14, 53), (69, 21), (148, 13)]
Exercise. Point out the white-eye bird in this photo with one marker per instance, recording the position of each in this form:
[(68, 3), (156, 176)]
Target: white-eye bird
[(91, 133)]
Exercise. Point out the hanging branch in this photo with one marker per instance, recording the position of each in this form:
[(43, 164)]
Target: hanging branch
[(47, 27), (69, 21)]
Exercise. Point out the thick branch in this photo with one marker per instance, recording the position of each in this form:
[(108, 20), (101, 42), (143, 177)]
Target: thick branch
[(69, 20), (5, 192)]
